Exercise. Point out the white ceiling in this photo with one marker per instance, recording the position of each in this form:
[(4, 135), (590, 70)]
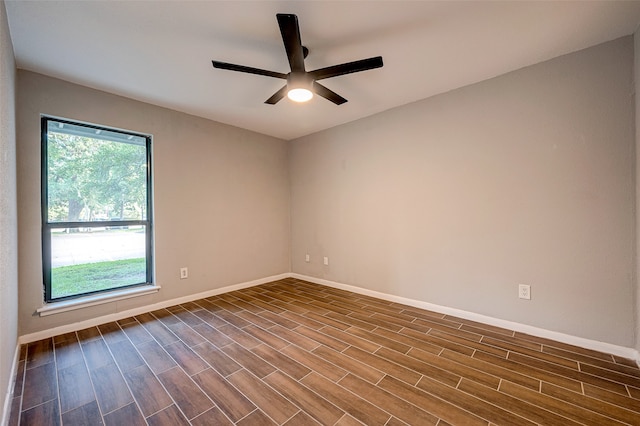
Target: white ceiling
[(161, 52)]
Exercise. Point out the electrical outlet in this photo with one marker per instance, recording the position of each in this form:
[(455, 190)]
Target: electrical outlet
[(184, 273), (307, 258), (326, 261), (524, 291)]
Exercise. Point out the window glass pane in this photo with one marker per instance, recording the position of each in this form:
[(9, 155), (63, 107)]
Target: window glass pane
[(96, 258), (95, 174)]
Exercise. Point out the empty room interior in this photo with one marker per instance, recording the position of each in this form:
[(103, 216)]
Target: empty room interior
[(446, 233)]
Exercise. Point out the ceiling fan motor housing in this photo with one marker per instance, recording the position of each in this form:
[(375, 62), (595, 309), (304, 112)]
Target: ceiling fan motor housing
[(299, 80)]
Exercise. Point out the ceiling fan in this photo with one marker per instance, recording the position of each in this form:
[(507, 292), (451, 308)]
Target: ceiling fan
[(301, 84)]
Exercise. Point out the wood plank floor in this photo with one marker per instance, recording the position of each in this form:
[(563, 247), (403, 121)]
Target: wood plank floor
[(296, 353)]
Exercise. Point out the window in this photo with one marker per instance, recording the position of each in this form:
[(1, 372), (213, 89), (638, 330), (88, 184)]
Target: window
[(96, 209)]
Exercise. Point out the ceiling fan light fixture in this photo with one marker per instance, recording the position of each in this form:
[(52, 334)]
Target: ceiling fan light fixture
[(299, 87), (302, 84), (300, 94)]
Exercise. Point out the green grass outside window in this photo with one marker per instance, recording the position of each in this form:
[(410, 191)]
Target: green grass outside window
[(89, 277)]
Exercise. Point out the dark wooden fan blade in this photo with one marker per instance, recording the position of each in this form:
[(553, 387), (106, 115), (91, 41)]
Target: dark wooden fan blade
[(291, 38), (276, 97), (347, 68), (250, 70), (328, 94)]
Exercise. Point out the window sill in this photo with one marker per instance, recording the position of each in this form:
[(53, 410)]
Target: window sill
[(96, 299)]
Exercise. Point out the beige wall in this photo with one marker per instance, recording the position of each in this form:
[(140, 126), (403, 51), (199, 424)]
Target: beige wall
[(636, 73), (8, 216), (221, 196), (456, 199)]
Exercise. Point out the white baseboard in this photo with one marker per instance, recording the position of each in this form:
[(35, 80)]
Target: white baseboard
[(6, 411), (44, 334), (609, 348), (621, 351)]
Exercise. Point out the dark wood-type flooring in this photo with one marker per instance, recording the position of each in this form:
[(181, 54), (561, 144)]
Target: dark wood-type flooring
[(296, 353)]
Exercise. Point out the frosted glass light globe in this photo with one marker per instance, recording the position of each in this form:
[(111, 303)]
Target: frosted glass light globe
[(300, 95)]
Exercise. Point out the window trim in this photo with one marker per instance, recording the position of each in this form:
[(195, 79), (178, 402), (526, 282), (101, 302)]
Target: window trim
[(122, 293), (47, 227)]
